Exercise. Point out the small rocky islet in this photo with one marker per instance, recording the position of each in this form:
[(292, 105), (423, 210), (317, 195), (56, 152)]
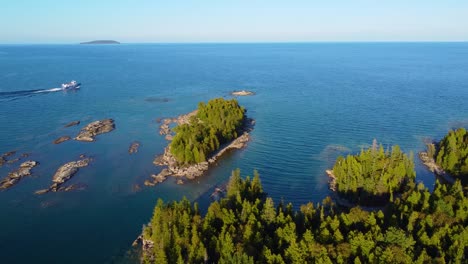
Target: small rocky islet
[(15, 176), (65, 173), (90, 131)]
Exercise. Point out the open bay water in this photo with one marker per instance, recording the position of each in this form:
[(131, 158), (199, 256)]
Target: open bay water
[(313, 102)]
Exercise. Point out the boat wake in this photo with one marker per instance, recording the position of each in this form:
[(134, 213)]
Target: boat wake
[(15, 95)]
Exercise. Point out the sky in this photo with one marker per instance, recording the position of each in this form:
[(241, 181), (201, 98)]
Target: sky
[(155, 21)]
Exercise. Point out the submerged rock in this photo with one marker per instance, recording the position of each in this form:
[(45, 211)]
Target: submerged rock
[(15, 176), (65, 173), (9, 153), (95, 128), (61, 139), (73, 123), (134, 147)]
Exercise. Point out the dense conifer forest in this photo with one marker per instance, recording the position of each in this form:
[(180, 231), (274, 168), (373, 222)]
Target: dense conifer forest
[(246, 226), (373, 175), (216, 122), (452, 153)]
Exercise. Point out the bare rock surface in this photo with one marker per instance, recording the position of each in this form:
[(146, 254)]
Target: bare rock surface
[(134, 147), (61, 139), (65, 173), (242, 93), (430, 163), (90, 131), (73, 123), (15, 176)]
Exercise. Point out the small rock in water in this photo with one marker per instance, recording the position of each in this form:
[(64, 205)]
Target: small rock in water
[(134, 147), (61, 139), (242, 93), (73, 123), (65, 173), (9, 153), (180, 182), (13, 161)]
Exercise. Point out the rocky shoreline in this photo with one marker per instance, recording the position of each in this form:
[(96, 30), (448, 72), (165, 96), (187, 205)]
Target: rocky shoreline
[(65, 173), (190, 172), (332, 182), (430, 163)]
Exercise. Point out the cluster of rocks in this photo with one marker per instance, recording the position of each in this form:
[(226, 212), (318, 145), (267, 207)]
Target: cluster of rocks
[(15, 176), (6, 158), (134, 147), (164, 128), (90, 131), (65, 173)]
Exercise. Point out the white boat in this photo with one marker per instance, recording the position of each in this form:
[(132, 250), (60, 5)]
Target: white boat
[(71, 85)]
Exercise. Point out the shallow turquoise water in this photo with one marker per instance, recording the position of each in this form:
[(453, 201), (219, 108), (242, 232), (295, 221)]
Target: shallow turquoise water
[(312, 100)]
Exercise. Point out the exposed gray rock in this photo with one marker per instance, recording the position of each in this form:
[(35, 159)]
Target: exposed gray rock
[(242, 93), (89, 132), (15, 176), (134, 147), (61, 139), (65, 173), (73, 123)]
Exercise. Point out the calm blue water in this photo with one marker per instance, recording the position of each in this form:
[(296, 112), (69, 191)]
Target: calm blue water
[(312, 103)]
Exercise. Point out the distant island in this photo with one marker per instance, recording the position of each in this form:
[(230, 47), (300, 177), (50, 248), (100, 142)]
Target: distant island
[(101, 42)]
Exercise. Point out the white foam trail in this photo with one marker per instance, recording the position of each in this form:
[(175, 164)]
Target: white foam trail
[(49, 90)]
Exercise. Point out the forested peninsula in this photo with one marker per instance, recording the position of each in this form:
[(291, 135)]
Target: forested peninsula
[(248, 227), (409, 225)]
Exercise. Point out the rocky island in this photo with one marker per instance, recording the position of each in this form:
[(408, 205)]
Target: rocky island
[(15, 176), (100, 42), (200, 138), (90, 131), (65, 173)]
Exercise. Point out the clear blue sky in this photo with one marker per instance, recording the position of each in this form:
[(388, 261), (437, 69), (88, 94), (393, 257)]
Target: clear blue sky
[(65, 21)]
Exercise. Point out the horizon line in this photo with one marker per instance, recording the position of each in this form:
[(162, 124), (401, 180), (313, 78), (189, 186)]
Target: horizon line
[(241, 42)]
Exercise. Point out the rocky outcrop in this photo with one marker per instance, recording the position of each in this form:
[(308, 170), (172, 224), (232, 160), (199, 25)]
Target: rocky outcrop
[(332, 182), (15, 176), (73, 123), (164, 128), (61, 139), (89, 132), (242, 93), (134, 147), (430, 163), (65, 173)]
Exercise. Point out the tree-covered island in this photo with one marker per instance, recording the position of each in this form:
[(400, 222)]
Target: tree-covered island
[(373, 176), (200, 138), (216, 122)]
